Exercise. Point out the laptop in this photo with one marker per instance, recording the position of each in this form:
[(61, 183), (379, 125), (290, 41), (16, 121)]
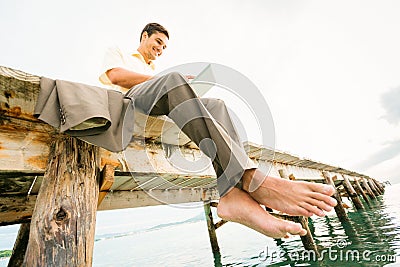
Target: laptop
[(204, 81)]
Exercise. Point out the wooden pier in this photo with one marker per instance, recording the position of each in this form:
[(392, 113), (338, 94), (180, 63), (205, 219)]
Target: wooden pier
[(53, 184)]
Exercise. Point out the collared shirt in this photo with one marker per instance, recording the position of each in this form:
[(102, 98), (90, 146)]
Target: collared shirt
[(115, 58)]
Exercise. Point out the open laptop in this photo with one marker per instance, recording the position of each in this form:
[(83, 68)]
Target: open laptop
[(204, 81)]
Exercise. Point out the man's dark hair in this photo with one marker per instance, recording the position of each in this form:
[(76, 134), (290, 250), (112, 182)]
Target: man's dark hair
[(153, 28)]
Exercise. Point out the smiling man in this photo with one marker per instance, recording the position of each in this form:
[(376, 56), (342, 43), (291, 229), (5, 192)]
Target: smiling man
[(207, 123)]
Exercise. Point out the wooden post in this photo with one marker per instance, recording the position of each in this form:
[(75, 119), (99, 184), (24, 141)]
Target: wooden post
[(369, 190), (19, 249), (382, 186), (374, 188), (64, 219), (211, 228), (352, 193), (307, 240), (107, 180), (379, 185), (340, 211), (361, 190)]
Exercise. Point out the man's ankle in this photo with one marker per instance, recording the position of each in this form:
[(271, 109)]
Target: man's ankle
[(246, 179)]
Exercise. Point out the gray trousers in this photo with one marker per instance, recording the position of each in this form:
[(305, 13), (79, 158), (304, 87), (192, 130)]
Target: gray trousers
[(204, 120)]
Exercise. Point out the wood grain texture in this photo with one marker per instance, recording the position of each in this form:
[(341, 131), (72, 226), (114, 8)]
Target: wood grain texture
[(64, 218)]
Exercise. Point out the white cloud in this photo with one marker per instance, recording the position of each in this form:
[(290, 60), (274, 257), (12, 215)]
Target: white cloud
[(391, 103)]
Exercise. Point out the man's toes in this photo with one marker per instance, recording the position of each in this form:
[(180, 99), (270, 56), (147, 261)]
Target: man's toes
[(313, 209), (295, 229), (328, 190), (325, 198), (320, 204), (301, 211), (303, 232), (322, 188)]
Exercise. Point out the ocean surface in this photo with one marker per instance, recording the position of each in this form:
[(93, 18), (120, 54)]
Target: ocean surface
[(177, 236)]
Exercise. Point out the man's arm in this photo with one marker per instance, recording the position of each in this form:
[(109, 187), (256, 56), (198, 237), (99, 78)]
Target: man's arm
[(125, 78)]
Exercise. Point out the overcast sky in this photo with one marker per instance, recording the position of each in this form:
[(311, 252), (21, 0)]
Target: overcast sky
[(329, 70)]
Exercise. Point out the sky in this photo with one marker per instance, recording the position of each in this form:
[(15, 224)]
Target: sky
[(329, 70)]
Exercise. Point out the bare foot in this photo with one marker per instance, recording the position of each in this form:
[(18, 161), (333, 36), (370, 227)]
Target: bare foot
[(238, 206), (292, 197)]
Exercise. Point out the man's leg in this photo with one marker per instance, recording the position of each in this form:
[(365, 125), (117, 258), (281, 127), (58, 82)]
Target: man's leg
[(172, 95), (280, 200)]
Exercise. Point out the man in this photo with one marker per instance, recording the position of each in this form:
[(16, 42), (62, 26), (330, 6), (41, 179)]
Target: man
[(201, 120)]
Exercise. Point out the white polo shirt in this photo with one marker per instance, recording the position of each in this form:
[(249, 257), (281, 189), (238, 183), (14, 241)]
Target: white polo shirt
[(115, 58)]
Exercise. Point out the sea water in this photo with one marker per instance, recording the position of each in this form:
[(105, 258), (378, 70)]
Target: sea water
[(178, 236)]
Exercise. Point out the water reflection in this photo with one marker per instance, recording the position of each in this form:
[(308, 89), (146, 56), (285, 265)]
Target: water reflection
[(371, 238)]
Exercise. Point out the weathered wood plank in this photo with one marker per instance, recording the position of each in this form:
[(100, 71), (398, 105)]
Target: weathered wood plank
[(16, 209), (15, 185), (140, 198), (19, 209)]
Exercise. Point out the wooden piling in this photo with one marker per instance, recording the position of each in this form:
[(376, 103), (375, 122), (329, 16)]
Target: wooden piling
[(211, 228), (374, 188), (368, 188), (352, 193), (19, 249), (379, 185), (340, 211), (63, 221), (362, 192), (307, 240)]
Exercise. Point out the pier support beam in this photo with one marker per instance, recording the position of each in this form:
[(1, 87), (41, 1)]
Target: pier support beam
[(368, 188), (361, 190), (63, 221), (379, 185), (211, 228), (19, 249), (352, 193), (374, 188), (307, 240), (340, 211)]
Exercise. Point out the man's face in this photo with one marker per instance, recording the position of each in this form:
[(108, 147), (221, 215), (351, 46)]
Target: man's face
[(153, 45)]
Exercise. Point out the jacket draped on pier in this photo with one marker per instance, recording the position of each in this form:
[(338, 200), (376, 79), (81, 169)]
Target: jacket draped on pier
[(96, 115)]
